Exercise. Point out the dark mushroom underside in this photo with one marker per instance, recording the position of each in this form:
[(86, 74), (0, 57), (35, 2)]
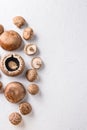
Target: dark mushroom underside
[(12, 63)]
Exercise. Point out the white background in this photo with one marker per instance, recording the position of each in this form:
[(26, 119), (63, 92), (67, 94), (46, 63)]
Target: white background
[(61, 36)]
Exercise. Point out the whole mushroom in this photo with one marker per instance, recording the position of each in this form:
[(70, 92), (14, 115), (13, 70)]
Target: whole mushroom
[(33, 89), (14, 92), (31, 75), (12, 64), (30, 49), (10, 40), (25, 108), (28, 33), (19, 21), (15, 118)]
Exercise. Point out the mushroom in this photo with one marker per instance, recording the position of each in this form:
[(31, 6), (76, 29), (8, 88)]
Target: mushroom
[(19, 21), (36, 62), (28, 33), (25, 108), (31, 75), (15, 118), (30, 49), (10, 40), (12, 64), (14, 92), (33, 89)]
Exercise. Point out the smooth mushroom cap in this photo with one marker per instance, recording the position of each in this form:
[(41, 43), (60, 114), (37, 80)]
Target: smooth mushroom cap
[(31, 75), (10, 40), (19, 21), (14, 92)]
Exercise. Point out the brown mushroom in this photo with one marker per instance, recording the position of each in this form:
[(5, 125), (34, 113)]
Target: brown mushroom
[(19, 21), (28, 33), (10, 40), (12, 64), (15, 118), (14, 92), (33, 89), (31, 75), (25, 108)]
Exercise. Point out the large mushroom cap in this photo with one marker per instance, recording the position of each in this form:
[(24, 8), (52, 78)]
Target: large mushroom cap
[(10, 40), (14, 92), (12, 64)]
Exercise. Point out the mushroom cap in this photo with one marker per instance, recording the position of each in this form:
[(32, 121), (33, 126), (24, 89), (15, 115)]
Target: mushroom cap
[(14, 70), (33, 89), (14, 92), (19, 21), (15, 118), (10, 40), (28, 33), (25, 108), (31, 75)]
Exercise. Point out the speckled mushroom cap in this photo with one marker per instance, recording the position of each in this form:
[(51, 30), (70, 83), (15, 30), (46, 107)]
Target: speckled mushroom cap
[(10, 40), (12, 64), (14, 92)]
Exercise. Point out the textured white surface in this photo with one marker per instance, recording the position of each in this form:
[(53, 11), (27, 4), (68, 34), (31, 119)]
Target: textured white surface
[(61, 29)]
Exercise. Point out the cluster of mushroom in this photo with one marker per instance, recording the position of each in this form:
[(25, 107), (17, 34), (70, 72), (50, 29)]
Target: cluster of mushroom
[(13, 64)]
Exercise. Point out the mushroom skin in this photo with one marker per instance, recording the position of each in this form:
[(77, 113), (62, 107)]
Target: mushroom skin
[(15, 118), (14, 92), (19, 21), (10, 40)]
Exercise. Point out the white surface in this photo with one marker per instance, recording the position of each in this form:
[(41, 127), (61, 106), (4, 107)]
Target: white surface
[(61, 29)]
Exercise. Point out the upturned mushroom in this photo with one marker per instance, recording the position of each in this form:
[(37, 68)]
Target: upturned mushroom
[(12, 64), (36, 62), (30, 49)]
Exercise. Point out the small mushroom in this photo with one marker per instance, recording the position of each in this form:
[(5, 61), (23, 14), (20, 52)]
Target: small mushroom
[(1, 29), (33, 89), (25, 108), (30, 49), (10, 40), (14, 92), (19, 21), (36, 63), (31, 75), (15, 118), (28, 33), (12, 64)]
